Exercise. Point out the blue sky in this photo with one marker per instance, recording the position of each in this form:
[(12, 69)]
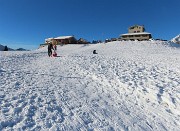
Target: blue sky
[(26, 23)]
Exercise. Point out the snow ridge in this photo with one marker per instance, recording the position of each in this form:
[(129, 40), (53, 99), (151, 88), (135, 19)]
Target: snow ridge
[(176, 39)]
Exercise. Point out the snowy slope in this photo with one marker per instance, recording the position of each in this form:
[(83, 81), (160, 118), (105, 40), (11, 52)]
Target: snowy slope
[(128, 86), (176, 39)]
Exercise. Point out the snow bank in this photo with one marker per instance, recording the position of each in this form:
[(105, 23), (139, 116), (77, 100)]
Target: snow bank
[(129, 86)]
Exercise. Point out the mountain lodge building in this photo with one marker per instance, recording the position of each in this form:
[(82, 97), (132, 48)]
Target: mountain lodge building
[(136, 32)]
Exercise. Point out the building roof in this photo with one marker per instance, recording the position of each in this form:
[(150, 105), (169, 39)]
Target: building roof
[(49, 39), (63, 37), (136, 26), (140, 33)]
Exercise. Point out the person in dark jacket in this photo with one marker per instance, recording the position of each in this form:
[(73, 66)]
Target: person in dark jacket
[(94, 52), (50, 47)]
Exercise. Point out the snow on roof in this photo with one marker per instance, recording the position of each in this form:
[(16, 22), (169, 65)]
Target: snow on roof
[(60, 37), (141, 33), (63, 37), (49, 39)]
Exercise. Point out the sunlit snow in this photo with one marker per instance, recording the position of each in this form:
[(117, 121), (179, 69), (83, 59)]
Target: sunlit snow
[(127, 86)]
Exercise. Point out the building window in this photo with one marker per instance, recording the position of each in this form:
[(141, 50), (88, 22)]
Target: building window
[(137, 35)]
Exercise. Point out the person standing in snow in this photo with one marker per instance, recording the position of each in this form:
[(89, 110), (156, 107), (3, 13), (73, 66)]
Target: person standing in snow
[(94, 52), (50, 47), (55, 47)]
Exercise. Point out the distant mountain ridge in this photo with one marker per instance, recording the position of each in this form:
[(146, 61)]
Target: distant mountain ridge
[(176, 39), (2, 47), (21, 49)]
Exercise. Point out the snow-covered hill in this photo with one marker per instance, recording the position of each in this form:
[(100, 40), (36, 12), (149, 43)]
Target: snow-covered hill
[(127, 86), (2, 48), (10, 49), (21, 49), (176, 39)]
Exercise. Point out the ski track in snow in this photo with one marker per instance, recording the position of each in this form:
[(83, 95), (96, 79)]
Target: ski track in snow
[(127, 86)]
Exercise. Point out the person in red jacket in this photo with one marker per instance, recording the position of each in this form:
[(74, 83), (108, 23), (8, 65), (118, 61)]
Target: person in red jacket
[(55, 48)]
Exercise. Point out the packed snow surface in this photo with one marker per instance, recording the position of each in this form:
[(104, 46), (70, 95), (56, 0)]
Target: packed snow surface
[(127, 86)]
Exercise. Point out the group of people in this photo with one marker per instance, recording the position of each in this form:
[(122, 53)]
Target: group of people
[(54, 47), (50, 48)]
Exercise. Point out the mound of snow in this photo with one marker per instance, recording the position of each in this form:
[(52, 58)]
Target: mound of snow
[(176, 39)]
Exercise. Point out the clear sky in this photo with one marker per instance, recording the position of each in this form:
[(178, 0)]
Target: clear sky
[(26, 23)]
